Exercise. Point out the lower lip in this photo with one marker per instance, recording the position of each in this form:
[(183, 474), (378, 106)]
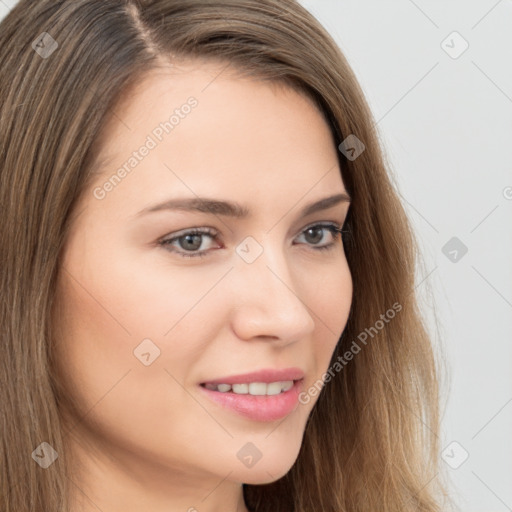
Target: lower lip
[(258, 407)]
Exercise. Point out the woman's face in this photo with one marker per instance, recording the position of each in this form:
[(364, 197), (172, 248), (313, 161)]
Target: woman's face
[(143, 324)]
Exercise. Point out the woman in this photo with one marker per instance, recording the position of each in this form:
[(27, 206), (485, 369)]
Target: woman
[(207, 275)]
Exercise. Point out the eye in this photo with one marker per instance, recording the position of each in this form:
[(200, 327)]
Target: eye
[(317, 232), (189, 243)]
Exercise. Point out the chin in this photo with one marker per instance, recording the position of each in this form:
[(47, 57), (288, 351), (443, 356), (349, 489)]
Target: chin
[(265, 472)]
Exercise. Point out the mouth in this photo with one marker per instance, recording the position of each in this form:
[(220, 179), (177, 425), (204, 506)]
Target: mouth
[(256, 401)]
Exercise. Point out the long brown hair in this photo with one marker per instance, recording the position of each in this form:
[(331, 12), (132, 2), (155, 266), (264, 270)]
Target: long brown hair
[(371, 441)]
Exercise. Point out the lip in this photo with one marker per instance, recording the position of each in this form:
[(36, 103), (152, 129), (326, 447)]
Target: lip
[(266, 375), (257, 407)]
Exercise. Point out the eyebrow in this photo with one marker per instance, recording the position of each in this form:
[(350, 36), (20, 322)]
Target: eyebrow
[(233, 209)]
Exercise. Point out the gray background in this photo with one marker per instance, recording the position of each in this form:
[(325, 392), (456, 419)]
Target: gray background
[(445, 120)]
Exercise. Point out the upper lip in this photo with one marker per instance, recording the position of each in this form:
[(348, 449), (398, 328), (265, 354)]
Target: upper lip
[(266, 375)]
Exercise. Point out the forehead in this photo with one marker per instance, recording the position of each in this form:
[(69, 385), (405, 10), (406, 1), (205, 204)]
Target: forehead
[(242, 138)]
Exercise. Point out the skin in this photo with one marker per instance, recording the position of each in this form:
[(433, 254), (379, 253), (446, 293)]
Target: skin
[(144, 437)]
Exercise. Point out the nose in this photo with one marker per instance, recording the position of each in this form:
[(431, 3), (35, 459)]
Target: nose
[(266, 301)]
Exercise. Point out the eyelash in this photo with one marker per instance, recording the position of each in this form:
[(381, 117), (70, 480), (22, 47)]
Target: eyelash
[(333, 228)]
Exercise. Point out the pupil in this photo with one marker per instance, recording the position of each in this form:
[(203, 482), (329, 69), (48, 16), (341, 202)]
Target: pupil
[(318, 231), (189, 239)]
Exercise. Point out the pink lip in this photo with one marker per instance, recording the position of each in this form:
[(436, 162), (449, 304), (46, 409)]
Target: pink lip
[(266, 375), (258, 408)]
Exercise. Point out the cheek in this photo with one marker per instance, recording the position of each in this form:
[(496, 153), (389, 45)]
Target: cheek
[(330, 293), (95, 311), (108, 312), (329, 302), (101, 323), (93, 341)]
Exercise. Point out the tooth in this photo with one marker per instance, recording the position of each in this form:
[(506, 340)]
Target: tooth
[(286, 385), (257, 388), (253, 388), (274, 388), (241, 389)]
